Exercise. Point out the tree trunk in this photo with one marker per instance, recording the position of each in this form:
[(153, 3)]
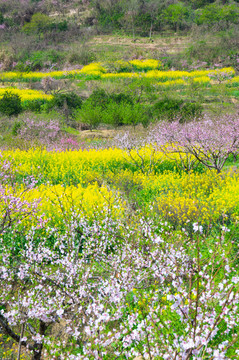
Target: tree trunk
[(150, 30), (66, 112), (37, 353)]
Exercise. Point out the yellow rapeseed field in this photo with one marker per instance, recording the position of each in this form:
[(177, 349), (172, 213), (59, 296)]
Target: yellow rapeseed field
[(90, 181), (26, 94)]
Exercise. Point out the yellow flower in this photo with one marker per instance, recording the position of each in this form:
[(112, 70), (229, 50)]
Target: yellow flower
[(26, 94)]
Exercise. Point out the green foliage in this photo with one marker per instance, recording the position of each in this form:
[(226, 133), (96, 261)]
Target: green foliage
[(51, 55), (190, 111), (196, 4), (16, 127), (89, 114), (112, 109), (66, 104), (170, 108), (70, 99), (39, 24), (61, 26), (176, 15), (1, 18), (10, 104), (124, 113), (121, 98), (34, 105), (83, 56), (39, 59), (108, 14), (167, 108), (100, 97), (215, 13)]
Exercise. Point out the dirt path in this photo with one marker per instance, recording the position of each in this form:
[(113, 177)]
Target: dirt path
[(171, 44)]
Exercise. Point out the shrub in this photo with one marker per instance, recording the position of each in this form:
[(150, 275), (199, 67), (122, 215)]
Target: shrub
[(121, 98), (119, 114), (40, 59), (99, 97), (71, 99), (39, 24), (16, 127), (214, 13), (83, 56), (89, 114), (167, 108), (191, 111), (175, 108), (34, 105), (1, 18), (61, 26), (177, 15), (113, 113), (10, 104)]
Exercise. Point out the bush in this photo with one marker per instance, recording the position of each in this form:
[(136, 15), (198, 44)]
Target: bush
[(67, 103), (71, 99), (16, 127), (1, 18), (61, 26), (175, 108), (10, 104), (121, 98), (167, 108), (99, 97), (36, 60), (89, 114), (126, 114), (34, 105), (191, 111), (113, 109), (83, 56), (214, 13), (177, 15), (119, 114), (39, 23), (113, 114)]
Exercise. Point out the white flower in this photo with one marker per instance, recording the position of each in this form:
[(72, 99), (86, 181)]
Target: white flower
[(224, 228), (60, 312), (217, 355), (87, 330), (188, 345), (197, 227)]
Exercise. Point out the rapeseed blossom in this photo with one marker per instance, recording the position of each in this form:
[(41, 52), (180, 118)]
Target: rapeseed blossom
[(26, 94)]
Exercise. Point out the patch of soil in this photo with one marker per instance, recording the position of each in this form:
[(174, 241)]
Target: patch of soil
[(97, 134)]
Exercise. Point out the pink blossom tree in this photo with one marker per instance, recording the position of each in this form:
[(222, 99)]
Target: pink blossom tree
[(209, 141)]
